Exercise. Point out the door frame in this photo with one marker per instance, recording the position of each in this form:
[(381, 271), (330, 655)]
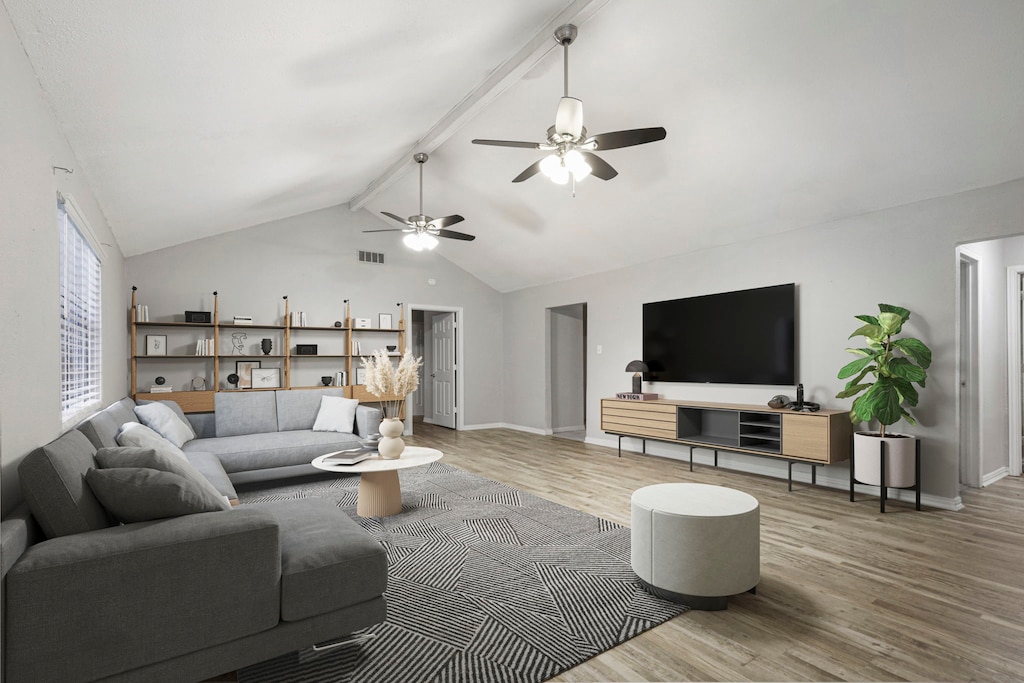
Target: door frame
[(460, 350), (1014, 277), (970, 462)]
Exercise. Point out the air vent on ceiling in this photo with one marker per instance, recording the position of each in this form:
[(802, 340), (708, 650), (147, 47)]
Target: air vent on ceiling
[(371, 257)]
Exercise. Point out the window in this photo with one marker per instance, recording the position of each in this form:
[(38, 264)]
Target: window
[(80, 321)]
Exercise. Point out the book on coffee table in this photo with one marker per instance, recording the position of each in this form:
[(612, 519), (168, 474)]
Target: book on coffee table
[(350, 456)]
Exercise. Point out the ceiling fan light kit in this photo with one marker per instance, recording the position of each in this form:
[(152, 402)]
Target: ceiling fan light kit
[(422, 230), (572, 151)]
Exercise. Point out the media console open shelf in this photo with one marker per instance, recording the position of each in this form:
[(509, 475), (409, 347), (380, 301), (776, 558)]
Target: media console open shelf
[(819, 438), (216, 366)]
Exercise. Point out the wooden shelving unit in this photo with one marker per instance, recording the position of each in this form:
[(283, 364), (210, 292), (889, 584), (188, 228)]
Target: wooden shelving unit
[(203, 401)]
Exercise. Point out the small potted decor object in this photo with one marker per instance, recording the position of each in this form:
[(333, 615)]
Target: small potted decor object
[(391, 385), (896, 364), (266, 345)]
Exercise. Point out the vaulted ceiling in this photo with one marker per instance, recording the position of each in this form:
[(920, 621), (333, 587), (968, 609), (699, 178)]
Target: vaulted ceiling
[(193, 118)]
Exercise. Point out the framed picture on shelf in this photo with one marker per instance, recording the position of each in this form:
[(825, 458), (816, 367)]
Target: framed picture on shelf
[(156, 344), (384, 321), (266, 378), (244, 368), (360, 375)]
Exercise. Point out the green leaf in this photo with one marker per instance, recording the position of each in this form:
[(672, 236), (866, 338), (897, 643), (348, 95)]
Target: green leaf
[(916, 349), (903, 367), (852, 390), (869, 319), (907, 391), (909, 418), (861, 409), (863, 352), (891, 323), (889, 308), (853, 367), (873, 332), (862, 375), (883, 402)]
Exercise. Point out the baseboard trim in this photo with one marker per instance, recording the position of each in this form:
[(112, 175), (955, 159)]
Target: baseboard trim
[(505, 425), (777, 469), (993, 477)]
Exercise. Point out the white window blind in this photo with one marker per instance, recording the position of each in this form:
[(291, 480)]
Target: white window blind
[(80, 321)]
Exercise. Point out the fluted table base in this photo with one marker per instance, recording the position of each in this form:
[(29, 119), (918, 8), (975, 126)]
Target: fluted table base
[(380, 494)]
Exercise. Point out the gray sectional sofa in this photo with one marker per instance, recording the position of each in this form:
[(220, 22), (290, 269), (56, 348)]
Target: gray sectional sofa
[(189, 597)]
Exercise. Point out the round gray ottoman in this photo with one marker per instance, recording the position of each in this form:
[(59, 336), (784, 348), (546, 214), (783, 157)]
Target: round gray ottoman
[(696, 544)]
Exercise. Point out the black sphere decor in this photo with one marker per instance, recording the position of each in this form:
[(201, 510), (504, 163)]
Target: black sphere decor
[(160, 380), (337, 323), (233, 379)]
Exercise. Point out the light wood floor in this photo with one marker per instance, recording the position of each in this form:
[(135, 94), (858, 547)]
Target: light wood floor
[(846, 593)]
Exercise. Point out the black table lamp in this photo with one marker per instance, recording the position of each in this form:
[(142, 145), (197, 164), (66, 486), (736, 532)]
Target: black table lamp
[(637, 367)]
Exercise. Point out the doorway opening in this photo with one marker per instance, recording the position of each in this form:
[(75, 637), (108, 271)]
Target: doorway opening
[(567, 371), (436, 337)]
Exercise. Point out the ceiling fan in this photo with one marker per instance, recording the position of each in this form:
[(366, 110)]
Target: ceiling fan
[(572, 150), (423, 230)]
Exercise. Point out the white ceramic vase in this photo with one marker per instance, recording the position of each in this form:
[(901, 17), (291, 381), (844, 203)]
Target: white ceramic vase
[(899, 459), (391, 445)]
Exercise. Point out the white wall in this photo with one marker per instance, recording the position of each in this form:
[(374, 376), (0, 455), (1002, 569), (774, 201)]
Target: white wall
[(903, 256), (566, 354), (32, 144), (312, 258)]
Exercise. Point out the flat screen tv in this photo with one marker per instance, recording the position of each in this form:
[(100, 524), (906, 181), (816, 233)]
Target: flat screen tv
[(744, 337)]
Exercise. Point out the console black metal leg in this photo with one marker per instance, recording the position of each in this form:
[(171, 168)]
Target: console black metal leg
[(851, 469), (691, 458), (643, 446), (884, 468), (917, 475), (620, 445), (814, 475), (716, 457), (790, 484)]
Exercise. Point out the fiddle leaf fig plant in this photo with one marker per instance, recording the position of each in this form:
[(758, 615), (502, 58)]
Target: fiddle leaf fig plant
[(896, 364)]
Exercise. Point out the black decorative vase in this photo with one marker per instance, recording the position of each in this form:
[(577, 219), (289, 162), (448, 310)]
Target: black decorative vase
[(326, 380), (266, 345)]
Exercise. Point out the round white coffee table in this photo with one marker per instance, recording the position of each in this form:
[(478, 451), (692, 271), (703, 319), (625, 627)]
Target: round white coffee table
[(380, 493), (696, 544)]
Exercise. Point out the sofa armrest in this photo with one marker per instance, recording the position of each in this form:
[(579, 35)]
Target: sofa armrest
[(367, 420), (97, 603)]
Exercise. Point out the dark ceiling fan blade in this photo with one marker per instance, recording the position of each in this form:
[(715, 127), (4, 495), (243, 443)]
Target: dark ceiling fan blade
[(599, 168), (389, 230), (627, 138), (400, 220), (530, 171), (508, 143), (445, 221), (455, 235)]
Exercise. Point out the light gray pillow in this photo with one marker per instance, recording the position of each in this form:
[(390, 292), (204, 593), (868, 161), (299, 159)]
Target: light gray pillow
[(138, 434), (164, 421), (140, 494), (110, 458)]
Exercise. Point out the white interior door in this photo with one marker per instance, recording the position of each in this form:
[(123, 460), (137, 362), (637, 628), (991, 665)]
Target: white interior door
[(967, 372), (442, 378)]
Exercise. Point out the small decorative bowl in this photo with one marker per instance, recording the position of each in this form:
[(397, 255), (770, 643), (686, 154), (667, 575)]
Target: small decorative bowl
[(392, 348)]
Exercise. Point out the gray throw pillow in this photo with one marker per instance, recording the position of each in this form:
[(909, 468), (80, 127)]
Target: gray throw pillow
[(135, 456), (140, 494)]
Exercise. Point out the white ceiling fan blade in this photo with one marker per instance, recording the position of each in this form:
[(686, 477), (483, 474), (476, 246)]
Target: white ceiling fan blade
[(569, 117)]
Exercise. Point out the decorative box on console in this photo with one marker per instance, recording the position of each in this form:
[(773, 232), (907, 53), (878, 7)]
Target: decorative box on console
[(305, 349), (629, 396)]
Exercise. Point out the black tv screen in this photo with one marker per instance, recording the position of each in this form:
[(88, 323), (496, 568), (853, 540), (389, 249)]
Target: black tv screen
[(744, 337)]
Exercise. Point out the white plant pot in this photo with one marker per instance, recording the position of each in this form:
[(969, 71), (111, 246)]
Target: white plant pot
[(899, 459), (391, 444)]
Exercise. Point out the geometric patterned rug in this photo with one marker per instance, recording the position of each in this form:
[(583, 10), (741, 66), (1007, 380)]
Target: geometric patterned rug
[(485, 583)]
